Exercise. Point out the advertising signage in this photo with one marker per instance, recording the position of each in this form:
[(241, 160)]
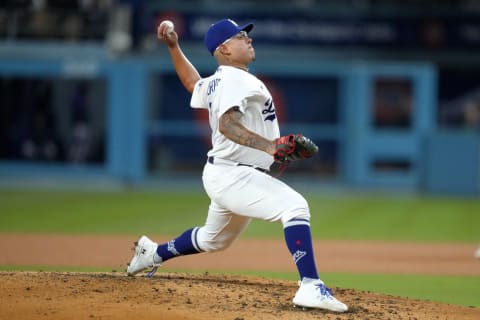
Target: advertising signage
[(410, 32)]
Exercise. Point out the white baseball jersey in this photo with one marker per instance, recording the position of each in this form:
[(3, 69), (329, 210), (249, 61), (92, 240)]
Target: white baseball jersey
[(229, 186), (232, 87)]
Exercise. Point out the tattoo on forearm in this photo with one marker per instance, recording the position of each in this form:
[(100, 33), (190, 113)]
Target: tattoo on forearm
[(234, 130)]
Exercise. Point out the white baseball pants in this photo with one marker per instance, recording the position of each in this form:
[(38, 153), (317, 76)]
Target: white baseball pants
[(239, 194)]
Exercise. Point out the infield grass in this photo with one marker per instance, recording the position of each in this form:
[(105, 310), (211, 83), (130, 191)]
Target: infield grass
[(334, 216)]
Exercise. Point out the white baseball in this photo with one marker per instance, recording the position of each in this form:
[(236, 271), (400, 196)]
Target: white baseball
[(169, 24)]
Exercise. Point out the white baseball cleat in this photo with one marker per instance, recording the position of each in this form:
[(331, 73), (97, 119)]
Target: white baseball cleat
[(145, 250), (313, 294)]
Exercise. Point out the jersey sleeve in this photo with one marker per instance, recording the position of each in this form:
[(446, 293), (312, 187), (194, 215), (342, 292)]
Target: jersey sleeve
[(235, 91), (198, 97)]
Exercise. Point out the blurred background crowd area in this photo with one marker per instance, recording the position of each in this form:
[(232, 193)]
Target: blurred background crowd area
[(51, 118)]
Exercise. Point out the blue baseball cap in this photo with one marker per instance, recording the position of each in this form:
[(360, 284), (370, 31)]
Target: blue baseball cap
[(221, 31)]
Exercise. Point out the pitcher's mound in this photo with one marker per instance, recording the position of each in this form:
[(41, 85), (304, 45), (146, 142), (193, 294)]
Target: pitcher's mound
[(50, 295)]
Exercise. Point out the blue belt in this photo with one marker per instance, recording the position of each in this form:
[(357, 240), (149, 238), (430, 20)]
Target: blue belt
[(212, 161)]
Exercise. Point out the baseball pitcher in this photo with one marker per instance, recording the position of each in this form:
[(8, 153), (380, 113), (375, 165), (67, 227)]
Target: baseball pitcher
[(245, 142)]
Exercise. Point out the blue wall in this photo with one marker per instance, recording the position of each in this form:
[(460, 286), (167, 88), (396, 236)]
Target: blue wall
[(349, 88)]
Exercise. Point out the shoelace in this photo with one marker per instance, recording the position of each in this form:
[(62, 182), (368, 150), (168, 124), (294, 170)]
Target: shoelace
[(324, 291)]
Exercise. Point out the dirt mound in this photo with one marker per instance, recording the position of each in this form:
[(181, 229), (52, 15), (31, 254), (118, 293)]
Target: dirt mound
[(49, 295)]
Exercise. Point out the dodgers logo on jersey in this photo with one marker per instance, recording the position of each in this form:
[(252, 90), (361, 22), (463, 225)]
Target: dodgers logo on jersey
[(269, 111)]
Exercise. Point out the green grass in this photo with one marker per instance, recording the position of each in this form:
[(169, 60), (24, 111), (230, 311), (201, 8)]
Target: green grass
[(334, 216), (392, 218), (337, 216), (100, 212)]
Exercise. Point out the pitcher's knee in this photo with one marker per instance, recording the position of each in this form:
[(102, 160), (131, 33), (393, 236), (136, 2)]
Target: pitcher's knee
[(300, 211), (302, 215), (211, 242)]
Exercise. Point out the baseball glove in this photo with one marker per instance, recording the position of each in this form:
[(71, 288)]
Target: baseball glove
[(294, 147)]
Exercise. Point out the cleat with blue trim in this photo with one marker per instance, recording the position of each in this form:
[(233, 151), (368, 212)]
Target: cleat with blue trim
[(314, 294), (145, 250)]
